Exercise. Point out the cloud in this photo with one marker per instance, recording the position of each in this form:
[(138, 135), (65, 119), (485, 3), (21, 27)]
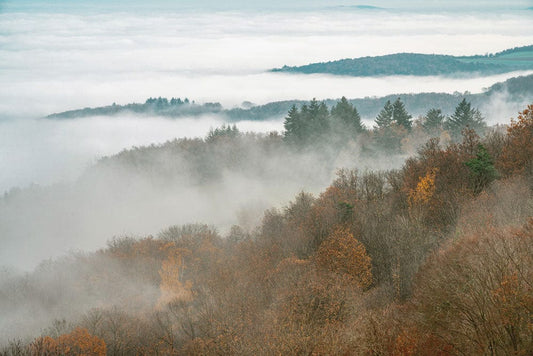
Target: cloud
[(67, 61)]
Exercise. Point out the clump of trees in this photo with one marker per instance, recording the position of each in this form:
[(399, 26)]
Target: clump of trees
[(395, 130), (315, 122), (435, 258)]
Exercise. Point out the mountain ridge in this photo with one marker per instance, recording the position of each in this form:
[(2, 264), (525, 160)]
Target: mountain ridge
[(419, 64)]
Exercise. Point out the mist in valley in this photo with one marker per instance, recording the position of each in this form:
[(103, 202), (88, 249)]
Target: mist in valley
[(88, 202)]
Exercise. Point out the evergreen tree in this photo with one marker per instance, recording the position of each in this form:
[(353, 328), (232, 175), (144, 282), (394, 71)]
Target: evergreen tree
[(322, 119), (482, 169), (389, 133), (308, 124), (346, 118), (224, 131), (400, 115), (465, 116), (385, 116), (317, 114), (315, 120), (433, 121), (293, 125)]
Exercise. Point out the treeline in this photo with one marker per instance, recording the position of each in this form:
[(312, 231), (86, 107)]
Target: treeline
[(421, 64), (174, 107), (435, 258), (393, 127), (516, 91), (399, 64)]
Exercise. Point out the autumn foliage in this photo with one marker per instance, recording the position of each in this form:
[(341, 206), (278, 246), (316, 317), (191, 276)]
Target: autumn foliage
[(476, 293), (77, 342), (343, 254), (435, 258), (517, 155)]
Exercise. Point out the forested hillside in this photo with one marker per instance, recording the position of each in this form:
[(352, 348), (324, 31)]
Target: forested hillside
[(515, 91), (433, 258), (520, 58)]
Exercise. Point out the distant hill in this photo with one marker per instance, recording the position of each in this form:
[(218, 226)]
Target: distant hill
[(359, 7), (518, 89), (520, 58)]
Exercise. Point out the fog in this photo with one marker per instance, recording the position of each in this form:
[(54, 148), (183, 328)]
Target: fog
[(75, 56), (75, 59), (44, 152), (67, 60), (68, 55), (142, 193)]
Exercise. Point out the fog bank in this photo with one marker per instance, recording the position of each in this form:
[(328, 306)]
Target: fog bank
[(68, 61)]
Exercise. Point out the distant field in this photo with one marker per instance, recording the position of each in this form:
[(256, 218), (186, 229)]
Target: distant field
[(522, 58)]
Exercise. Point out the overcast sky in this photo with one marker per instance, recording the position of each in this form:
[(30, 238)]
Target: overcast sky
[(452, 5)]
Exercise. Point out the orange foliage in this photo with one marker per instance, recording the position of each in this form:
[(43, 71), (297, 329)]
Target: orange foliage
[(342, 253), (78, 342), (172, 285), (44, 345), (444, 192), (405, 344), (311, 306), (425, 189), (476, 294), (517, 154)]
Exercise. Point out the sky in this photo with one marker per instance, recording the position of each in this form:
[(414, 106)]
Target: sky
[(256, 5)]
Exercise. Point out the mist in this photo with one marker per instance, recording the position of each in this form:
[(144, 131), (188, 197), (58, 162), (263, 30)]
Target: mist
[(68, 60), (119, 197), (40, 151), (69, 187)]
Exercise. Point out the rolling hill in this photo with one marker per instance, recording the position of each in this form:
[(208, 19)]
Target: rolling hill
[(520, 58)]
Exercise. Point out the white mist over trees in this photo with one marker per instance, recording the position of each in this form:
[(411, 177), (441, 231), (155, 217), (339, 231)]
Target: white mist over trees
[(333, 226)]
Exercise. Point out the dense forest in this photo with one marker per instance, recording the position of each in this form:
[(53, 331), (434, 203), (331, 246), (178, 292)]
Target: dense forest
[(520, 58), (516, 91), (432, 258)]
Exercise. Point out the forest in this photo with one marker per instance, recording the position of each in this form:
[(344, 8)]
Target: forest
[(519, 58), (515, 90), (434, 257)]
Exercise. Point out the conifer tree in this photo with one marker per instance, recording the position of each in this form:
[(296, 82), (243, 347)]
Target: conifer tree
[(385, 116), (316, 119), (433, 121), (345, 116), (482, 169), (465, 116), (400, 115), (293, 125)]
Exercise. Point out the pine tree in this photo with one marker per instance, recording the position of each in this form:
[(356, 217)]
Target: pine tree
[(346, 118), (482, 169), (293, 125), (465, 116), (315, 120), (433, 121), (308, 124), (400, 115), (385, 116), (322, 120)]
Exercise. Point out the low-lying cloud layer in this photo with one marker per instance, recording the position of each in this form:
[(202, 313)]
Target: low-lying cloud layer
[(45, 151), (80, 57), (61, 61)]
